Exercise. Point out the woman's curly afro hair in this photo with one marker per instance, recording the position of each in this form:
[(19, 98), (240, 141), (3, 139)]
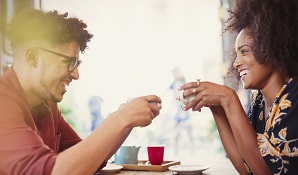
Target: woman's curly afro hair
[(273, 25)]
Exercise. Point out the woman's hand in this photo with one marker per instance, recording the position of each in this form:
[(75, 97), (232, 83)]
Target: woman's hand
[(207, 95)]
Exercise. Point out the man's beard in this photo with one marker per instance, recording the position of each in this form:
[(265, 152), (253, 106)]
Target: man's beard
[(52, 96)]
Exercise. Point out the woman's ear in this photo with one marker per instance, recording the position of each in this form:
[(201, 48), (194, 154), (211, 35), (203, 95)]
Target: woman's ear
[(31, 56)]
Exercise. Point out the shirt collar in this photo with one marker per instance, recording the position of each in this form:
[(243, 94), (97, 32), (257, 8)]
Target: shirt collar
[(13, 83)]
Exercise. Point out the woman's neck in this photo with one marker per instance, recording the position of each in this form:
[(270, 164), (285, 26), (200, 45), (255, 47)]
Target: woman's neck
[(271, 90)]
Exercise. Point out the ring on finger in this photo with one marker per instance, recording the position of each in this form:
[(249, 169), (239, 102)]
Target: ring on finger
[(198, 82), (194, 91)]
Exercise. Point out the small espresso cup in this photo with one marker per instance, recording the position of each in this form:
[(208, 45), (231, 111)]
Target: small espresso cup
[(155, 154)]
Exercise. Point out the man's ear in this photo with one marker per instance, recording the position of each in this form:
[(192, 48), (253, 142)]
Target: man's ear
[(31, 57)]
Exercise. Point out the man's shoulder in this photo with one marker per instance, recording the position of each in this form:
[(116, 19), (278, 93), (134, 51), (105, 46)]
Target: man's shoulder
[(6, 93), (9, 82), (3, 83)]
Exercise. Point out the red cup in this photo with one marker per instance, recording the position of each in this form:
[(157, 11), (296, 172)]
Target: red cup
[(155, 154)]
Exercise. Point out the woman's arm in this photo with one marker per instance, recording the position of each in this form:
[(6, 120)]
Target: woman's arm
[(228, 139), (245, 136), (214, 95)]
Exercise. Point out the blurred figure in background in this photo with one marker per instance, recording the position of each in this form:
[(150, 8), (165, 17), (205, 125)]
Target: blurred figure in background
[(181, 118), (95, 107)]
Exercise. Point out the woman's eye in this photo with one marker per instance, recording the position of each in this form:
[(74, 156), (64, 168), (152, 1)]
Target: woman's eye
[(244, 51)]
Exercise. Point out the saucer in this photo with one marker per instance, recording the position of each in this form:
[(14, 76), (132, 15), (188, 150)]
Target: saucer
[(110, 169), (188, 169)]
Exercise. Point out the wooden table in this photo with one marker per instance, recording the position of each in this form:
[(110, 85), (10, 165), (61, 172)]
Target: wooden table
[(219, 165)]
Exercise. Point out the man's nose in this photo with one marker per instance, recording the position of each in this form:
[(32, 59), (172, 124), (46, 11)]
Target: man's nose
[(75, 74)]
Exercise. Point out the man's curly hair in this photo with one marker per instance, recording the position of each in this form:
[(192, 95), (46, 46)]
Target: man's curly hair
[(33, 24), (273, 25)]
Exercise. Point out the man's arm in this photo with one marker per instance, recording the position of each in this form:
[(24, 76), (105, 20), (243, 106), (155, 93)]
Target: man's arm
[(86, 156)]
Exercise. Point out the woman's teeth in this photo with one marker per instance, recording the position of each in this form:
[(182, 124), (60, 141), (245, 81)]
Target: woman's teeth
[(244, 72)]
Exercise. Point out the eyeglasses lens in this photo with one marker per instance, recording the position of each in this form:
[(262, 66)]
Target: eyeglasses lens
[(73, 64)]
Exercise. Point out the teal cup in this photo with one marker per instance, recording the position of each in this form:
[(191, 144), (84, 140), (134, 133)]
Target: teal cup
[(127, 155)]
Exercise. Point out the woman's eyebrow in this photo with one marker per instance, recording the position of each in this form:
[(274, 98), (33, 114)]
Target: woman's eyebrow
[(240, 47)]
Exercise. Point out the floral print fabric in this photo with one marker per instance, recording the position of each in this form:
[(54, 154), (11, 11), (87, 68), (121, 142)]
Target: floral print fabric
[(278, 136)]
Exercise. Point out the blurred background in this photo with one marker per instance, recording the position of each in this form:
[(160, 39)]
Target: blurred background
[(139, 48)]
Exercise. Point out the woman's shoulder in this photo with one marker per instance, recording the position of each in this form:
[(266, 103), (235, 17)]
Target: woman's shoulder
[(291, 88)]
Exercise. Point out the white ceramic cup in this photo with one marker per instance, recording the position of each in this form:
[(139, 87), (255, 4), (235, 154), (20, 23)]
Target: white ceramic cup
[(185, 100)]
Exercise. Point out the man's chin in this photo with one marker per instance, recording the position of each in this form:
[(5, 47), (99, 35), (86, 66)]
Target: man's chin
[(56, 99)]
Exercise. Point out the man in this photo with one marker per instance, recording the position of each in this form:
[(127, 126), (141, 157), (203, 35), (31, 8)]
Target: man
[(34, 138)]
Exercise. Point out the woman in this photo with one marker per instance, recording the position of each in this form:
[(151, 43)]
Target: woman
[(265, 141)]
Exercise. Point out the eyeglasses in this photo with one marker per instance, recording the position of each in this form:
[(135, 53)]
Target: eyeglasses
[(73, 62)]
